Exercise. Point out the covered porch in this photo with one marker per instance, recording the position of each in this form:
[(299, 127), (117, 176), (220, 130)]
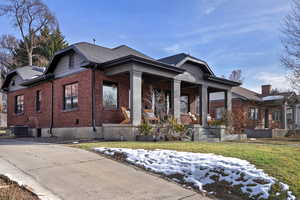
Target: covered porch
[(166, 91), (166, 94)]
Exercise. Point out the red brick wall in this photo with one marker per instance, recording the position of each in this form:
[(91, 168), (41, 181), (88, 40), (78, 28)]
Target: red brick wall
[(103, 115), (62, 118), (238, 105), (84, 111), (30, 117)]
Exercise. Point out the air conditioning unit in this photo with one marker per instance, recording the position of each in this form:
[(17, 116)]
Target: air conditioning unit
[(20, 131)]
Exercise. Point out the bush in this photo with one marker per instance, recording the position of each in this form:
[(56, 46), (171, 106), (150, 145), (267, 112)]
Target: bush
[(175, 130), (145, 129)]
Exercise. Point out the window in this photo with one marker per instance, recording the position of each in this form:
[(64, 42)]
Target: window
[(276, 115), (71, 96), (289, 114), (19, 104), (220, 112), (197, 101), (253, 113), (168, 101), (71, 60), (38, 99), (110, 95), (184, 104)]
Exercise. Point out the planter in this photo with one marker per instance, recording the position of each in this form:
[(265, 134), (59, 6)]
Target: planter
[(147, 138)]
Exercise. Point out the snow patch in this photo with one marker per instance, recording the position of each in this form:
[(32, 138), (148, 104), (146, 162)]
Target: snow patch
[(200, 169)]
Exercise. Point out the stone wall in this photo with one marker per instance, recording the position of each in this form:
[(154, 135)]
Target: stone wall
[(266, 133), (258, 133)]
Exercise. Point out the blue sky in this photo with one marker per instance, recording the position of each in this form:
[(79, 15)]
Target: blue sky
[(228, 34)]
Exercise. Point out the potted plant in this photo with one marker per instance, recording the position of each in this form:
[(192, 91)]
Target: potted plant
[(145, 133)]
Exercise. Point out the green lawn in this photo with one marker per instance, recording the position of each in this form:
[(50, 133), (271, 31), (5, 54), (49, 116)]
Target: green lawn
[(280, 161)]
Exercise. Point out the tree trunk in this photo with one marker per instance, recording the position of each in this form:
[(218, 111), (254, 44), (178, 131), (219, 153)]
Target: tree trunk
[(30, 57)]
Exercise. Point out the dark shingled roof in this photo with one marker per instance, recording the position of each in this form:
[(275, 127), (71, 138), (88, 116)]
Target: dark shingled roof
[(248, 94), (26, 73), (97, 54), (174, 60)]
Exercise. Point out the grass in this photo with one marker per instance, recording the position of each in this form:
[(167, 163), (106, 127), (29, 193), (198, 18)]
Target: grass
[(280, 161)]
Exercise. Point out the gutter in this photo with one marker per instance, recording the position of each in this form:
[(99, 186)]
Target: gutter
[(93, 98), (221, 80), (52, 109)]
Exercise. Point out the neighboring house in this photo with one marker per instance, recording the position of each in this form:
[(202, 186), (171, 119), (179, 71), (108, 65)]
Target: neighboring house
[(3, 101), (85, 85), (262, 111)]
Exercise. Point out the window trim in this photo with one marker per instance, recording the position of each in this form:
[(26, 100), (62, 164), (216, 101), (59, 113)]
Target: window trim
[(64, 104), (118, 93), (16, 104)]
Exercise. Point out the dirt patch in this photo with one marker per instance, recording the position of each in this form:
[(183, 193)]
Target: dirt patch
[(10, 190)]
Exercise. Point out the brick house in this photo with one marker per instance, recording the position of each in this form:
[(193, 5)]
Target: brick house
[(266, 110), (85, 85)]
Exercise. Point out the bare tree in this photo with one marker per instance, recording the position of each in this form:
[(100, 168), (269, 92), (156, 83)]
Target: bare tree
[(236, 75), (291, 42), (8, 47), (29, 17)]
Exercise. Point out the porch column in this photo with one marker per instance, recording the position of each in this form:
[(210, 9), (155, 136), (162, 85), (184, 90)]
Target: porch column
[(175, 94), (228, 101), (228, 106), (203, 101), (136, 97), (284, 120)]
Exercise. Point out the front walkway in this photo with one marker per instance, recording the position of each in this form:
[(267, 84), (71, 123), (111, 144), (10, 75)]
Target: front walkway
[(71, 173)]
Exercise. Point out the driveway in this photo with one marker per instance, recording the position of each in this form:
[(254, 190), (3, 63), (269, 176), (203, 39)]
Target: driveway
[(73, 174)]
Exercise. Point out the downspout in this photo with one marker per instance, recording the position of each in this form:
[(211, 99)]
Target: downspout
[(93, 99), (52, 110)]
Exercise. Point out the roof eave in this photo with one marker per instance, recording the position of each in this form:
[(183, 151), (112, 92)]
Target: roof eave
[(222, 80), (132, 58)]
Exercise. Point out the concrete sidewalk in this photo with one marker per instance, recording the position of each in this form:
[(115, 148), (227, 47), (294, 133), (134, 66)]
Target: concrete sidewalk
[(74, 174)]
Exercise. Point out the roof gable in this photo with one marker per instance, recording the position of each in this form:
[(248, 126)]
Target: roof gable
[(25, 73), (96, 54), (179, 59)]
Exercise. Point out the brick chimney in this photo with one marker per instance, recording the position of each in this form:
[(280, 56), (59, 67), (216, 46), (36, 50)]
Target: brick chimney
[(266, 90)]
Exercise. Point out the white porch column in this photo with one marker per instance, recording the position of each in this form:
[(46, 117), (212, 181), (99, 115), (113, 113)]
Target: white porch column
[(284, 120), (175, 98), (203, 101), (136, 97), (228, 101)]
